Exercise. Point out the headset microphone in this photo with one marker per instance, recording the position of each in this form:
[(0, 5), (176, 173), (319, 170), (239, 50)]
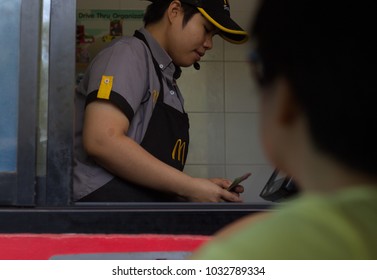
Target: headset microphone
[(197, 66)]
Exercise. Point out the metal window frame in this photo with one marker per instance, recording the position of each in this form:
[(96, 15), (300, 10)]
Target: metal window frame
[(23, 188), (19, 188), (53, 210), (61, 103)]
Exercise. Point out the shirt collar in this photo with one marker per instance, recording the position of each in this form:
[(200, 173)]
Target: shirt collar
[(163, 59)]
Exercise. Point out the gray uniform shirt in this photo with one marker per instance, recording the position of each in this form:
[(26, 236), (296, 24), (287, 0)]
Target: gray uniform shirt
[(123, 74)]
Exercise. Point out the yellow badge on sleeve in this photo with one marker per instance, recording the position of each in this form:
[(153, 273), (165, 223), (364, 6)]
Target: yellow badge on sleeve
[(105, 87)]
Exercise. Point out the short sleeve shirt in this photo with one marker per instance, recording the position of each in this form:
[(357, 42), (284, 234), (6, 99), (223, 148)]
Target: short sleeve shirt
[(125, 75)]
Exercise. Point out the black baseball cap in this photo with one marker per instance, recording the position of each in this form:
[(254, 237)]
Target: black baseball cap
[(218, 13)]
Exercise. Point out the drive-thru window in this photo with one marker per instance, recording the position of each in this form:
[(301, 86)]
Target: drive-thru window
[(38, 77)]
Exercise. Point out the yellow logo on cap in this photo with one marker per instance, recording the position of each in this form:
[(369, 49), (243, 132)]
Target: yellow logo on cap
[(226, 6)]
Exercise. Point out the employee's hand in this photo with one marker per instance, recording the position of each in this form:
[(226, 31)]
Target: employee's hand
[(214, 190), (225, 183)]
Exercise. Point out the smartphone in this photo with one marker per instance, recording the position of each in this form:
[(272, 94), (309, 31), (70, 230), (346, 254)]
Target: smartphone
[(238, 180)]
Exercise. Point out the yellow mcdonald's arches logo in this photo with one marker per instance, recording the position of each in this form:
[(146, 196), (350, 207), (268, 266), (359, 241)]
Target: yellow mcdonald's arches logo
[(179, 151), (226, 6), (155, 96)]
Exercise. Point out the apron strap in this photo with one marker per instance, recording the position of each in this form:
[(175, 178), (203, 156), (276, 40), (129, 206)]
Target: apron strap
[(157, 68)]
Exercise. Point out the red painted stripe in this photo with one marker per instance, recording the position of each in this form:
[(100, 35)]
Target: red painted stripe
[(44, 246)]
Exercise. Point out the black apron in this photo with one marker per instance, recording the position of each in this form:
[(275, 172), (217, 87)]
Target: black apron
[(166, 138)]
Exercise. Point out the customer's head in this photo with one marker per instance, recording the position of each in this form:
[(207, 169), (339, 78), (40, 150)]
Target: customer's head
[(326, 54)]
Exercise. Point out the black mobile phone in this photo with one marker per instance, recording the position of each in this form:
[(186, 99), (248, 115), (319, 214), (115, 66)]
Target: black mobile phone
[(238, 180)]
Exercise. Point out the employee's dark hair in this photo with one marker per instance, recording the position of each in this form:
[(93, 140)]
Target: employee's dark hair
[(326, 52), (157, 9)]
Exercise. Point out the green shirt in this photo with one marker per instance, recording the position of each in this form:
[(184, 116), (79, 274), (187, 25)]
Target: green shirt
[(338, 226)]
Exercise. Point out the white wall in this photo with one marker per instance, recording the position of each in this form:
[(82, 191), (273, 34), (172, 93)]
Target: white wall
[(222, 102)]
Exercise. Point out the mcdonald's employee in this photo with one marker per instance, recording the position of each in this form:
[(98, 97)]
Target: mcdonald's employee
[(132, 132)]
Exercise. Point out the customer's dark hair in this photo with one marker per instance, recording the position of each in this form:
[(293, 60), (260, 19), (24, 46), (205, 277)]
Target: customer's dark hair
[(326, 51), (157, 9)]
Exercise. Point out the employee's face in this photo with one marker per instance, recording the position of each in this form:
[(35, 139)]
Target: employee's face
[(187, 44)]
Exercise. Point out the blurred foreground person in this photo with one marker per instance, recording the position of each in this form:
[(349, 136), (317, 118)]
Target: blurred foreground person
[(316, 67)]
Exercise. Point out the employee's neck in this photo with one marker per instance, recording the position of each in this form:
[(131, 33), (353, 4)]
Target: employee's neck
[(158, 31)]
